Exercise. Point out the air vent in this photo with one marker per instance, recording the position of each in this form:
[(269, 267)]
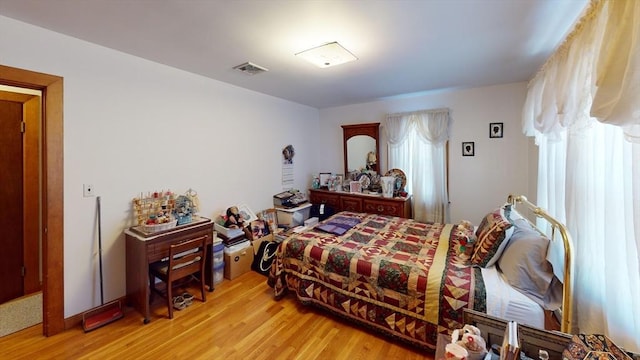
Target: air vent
[(250, 68)]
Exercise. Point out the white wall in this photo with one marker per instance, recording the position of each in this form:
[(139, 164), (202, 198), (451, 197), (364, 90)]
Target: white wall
[(132, 126), (477, 184)]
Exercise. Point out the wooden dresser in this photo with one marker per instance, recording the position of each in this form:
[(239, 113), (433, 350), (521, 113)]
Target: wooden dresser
[(374, 204)]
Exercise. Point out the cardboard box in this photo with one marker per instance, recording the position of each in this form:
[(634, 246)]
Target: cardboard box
[(291, 217), (237, 259)]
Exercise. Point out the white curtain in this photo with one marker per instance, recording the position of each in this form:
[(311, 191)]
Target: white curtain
[(417, 146), (583, 107)]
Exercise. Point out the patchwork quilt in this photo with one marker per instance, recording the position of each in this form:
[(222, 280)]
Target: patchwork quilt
[(394, 275)]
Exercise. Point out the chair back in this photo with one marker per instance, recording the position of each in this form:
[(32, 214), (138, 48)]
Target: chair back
[(186, 258)]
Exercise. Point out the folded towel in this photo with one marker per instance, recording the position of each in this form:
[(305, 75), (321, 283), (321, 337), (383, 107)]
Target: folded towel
[(338, 225)]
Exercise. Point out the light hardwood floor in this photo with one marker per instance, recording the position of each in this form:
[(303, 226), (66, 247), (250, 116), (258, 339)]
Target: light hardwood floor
[(240, 320)]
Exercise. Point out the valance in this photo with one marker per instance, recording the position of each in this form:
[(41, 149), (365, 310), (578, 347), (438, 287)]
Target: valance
[(432, 125), (593, 76)]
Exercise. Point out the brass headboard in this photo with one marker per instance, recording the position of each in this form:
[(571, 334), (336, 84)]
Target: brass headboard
[(567, 301)]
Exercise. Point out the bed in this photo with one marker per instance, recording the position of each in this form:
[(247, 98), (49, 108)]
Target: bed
[(411, 280)]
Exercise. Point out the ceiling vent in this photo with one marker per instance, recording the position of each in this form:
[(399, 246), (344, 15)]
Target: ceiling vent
[(250, 68)]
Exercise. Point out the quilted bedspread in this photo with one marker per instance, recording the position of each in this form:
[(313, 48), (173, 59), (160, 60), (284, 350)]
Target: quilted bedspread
[(395, 275)]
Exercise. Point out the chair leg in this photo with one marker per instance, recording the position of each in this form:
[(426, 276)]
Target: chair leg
[(202, 290), (170, 300)]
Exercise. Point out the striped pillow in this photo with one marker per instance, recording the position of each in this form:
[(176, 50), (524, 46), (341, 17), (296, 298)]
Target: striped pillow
[(492, 237)]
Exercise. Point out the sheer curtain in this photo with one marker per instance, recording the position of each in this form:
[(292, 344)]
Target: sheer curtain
[(583, 107), (417, 146)]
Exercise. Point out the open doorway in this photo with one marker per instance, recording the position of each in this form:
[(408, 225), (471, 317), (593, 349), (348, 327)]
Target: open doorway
[(51, 189), (20, 160)]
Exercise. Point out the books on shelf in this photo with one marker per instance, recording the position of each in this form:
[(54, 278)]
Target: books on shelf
[(510, 343)]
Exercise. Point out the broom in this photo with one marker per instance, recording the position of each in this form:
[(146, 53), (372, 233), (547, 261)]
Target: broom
[(105, 313)]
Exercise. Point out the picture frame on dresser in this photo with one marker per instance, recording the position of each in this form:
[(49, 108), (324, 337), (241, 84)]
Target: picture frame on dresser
[(339, 182), (324, 179), (355, 187)]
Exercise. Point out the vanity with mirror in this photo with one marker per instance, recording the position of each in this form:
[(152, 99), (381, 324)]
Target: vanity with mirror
[(360, 144), (362, 152)]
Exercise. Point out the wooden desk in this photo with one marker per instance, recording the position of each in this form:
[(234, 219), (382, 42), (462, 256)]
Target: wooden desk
[(143, 249)]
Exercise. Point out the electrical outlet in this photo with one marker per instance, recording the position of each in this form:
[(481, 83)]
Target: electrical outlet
[(88, 190)]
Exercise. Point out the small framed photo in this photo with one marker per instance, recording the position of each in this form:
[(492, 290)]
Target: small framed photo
[(468, 148), (324, 179), (355, 187), (271, 217), (247, 214), (495, 130), (339, 181)]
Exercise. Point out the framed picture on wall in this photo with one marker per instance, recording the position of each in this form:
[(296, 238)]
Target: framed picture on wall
[(495, 130), (468, 148)]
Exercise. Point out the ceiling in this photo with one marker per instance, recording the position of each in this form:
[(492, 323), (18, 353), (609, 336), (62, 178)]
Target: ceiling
[(402, 46)]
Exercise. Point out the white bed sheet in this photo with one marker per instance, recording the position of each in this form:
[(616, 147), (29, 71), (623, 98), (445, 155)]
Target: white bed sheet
[(506, 302)]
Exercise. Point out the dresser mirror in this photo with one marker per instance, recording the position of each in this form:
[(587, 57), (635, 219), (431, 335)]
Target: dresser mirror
[(361, 147)]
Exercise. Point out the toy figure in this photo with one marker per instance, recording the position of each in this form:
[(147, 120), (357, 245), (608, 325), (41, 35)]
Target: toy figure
[(234, 219), (467, 239), (372, 161), (471, 340)]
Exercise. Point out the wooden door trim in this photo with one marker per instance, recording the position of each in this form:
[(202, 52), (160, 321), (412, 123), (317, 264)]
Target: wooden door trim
[(31, 195), (52, 141)]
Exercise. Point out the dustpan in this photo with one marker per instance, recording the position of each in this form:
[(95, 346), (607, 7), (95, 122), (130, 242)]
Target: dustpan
[(105, 313)]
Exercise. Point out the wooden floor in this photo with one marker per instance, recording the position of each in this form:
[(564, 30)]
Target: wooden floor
[(240, 320)]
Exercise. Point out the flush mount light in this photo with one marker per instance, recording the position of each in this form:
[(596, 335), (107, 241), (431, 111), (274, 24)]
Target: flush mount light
[(326, 55)]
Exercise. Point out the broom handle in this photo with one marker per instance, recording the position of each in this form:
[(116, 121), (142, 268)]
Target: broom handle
[(100, 250)]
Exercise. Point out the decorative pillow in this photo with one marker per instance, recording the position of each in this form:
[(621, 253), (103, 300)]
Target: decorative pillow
[(524, 265), (492, 237)]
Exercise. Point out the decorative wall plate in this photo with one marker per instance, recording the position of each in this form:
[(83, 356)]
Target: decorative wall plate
[(364, 180), (398, 174)]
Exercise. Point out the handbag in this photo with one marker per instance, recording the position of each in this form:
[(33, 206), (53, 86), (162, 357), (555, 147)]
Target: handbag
[(265, 256)]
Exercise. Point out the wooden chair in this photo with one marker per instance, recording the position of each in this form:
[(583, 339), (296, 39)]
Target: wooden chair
[(186, 259)]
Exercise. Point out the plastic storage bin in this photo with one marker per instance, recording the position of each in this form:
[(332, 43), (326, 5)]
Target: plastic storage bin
[(292, 217), (218, 253), (218, 273)]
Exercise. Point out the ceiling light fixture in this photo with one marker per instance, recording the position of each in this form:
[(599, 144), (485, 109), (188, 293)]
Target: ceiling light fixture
[(326, 55)]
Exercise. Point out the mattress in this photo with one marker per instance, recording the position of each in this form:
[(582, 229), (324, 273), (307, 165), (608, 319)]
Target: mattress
[(506, 302)]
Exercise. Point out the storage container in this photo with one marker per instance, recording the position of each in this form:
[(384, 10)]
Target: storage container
[(237, 259), (228, 232), (218, 258), (218, 273), (291, 217), (218, 252)]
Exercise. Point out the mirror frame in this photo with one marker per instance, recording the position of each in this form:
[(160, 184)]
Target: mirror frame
[(370, 129)]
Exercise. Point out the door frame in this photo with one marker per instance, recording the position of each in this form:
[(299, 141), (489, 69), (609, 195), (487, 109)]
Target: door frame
[(52, 191)]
